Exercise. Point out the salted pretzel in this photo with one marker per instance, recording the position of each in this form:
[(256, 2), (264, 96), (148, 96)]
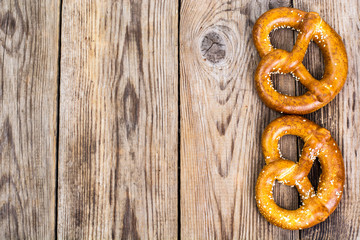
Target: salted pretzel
[(277, 61), (316, 207)]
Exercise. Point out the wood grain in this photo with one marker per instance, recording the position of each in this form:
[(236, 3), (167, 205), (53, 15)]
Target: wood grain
[(340, 116), (28, 111), (118, 120), (118, 111), (222, 120)]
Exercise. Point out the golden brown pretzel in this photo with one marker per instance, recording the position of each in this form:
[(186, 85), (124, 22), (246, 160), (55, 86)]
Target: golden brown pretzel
[(318, 143), (310, 27)]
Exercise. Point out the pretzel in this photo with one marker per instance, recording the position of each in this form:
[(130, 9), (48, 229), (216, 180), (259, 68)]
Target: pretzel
[(316, 207), (277, 61)]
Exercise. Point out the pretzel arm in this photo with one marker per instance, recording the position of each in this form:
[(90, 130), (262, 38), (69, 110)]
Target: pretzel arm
[(272, 20)]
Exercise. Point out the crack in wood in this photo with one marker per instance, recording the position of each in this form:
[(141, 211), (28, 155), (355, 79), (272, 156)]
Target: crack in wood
[(213, 47)]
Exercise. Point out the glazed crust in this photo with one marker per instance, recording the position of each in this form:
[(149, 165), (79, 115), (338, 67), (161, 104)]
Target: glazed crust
[(311, 28), (317, 143)]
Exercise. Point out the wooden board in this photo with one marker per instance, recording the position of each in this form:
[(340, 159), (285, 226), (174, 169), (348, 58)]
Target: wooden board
[(118, 148), (341, 116), (222, 120), (29, 36), (112, 88)]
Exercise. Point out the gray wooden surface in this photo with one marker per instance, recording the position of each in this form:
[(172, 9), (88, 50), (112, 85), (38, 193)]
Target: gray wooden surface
[(139, 119), (118, 120), (29, 35)]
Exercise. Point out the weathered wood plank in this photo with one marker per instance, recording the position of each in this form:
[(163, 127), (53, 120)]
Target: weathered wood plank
[(222, 120), (341, 116), (29, 35), (118, 120)]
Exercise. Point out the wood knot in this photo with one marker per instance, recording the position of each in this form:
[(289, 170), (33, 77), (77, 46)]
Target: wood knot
[(213, 47), (131, 108), (8, 23)]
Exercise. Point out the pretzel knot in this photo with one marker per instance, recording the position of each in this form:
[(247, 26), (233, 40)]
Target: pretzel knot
[(277, 61), (316, 207)]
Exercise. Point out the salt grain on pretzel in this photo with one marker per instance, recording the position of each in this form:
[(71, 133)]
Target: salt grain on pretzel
[(311, 28), (316, 207)]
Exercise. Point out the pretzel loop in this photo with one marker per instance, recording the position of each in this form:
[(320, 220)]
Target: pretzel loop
[(277, 61), (318, 143)]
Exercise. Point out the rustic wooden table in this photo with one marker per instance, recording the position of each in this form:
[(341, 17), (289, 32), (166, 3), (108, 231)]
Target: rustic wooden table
[(128, 119)]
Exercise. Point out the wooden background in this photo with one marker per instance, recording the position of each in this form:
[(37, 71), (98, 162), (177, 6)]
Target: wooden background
[(139, 119)]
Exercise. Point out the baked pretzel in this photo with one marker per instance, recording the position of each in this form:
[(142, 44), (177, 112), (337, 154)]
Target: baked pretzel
[(277, 61), (316, 207)]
